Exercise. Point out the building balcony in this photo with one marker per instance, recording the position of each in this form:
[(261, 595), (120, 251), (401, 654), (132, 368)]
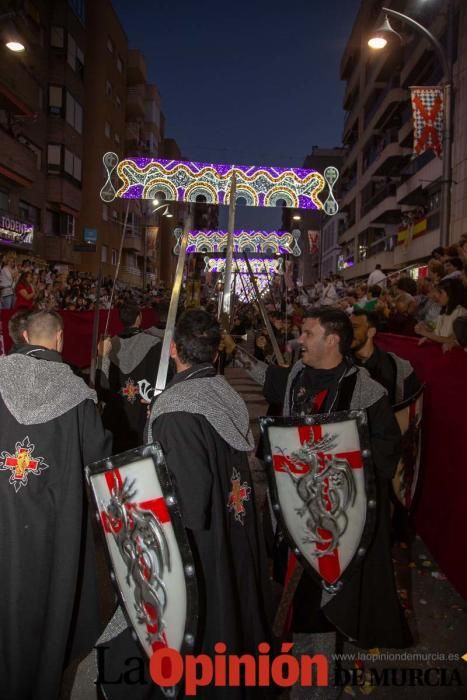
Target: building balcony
[(18, 163), (19, 92), (422, 172), (135, 102), (136, 69), (391, 160), (388, 99), (61, 191), (58, 249), (133, 242), (350, 122)]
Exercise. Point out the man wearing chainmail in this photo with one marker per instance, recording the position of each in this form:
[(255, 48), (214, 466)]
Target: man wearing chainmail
[(366, 610), (49, 430), (125, 379), (202, 425)]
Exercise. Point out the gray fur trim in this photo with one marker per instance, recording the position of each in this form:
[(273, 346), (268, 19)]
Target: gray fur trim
[(37, 391), (366, 393), (116, 624), (213, 398), (127, 353), (258, 372), (296, 369), (404, 370)]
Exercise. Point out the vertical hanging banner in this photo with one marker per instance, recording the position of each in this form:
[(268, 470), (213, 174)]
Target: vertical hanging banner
[(428, 119), (313, 242)]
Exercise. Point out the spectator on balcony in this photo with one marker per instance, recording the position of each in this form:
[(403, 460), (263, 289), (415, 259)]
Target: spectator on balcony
[(452, 297), (376, 277), (454, 267)]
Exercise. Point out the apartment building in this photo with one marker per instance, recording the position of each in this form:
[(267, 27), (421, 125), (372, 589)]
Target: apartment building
[(391, 199), (41, 130)]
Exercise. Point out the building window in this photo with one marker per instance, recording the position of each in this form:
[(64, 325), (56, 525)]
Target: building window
[(108, 88), (114, 256), (77, 168), (104, 251), (68, 162), (105, 212), (57, 37), (54, 158), (32, 147), (78, 7), (75, 56), (4, 199), (69, 225), (74, 113), (107, 129), (117, 138), (52, 222), (56, 100), (110, 44), (119, 64)]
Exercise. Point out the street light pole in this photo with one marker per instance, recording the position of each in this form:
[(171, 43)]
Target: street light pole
[(447, 127)]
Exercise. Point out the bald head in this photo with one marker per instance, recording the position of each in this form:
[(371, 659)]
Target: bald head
[(45, 328)]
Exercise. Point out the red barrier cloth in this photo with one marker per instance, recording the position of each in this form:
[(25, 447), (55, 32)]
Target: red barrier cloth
[(78, 332), (442, 489)]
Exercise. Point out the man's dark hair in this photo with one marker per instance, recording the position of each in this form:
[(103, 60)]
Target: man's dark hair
[(17, 325), (457, 294), (197, 336), (437, 251), (128, 314), (334, 321), (460, 330), (456, 262), (375, 290), (378, 267), (373, 317)]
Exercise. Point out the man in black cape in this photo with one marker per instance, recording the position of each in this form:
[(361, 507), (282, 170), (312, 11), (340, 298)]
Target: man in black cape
[(391, 371), (49, 429), (202, 425), (366, 610), (125, 379)]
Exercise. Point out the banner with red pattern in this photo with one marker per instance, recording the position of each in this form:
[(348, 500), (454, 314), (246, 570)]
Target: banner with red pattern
[(428, 119)]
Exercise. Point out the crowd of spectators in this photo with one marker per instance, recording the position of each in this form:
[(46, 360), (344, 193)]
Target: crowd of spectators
[(433, 307), (35, 284)]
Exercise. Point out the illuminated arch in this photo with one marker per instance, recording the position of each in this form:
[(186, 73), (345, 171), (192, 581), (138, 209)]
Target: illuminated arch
[(200, 188), (281, 192), (158, 184)]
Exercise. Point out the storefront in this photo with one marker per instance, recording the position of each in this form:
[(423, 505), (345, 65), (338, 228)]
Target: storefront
[(15, 233)]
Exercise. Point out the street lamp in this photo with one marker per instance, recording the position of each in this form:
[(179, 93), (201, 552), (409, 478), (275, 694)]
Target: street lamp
[(378, 41), (11, 38), (166, 214)]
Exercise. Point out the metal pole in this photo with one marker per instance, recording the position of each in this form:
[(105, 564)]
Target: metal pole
[(172, 315), (445, 218), (225, 316), (266, 321), (95, 332), (118, 269)]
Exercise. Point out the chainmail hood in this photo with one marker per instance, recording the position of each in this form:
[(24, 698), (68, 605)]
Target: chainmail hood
[(213, 398), (127, 353), (36, 391)]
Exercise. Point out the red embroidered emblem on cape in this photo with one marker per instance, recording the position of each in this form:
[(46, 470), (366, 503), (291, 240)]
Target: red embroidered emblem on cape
[(130, 391), (22, 463), (238, 494)]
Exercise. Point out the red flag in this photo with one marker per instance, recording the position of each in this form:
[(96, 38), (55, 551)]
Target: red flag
[(428, 119)]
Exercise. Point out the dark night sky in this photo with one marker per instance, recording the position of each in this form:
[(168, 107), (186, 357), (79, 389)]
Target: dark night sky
[(246, 81)]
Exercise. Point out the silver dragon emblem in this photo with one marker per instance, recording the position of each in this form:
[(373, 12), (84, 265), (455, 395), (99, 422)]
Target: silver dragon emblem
[(327, 490), (143, 547)]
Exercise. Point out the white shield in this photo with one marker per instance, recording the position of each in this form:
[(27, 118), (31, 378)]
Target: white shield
[(321, 482), (149, 553)]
